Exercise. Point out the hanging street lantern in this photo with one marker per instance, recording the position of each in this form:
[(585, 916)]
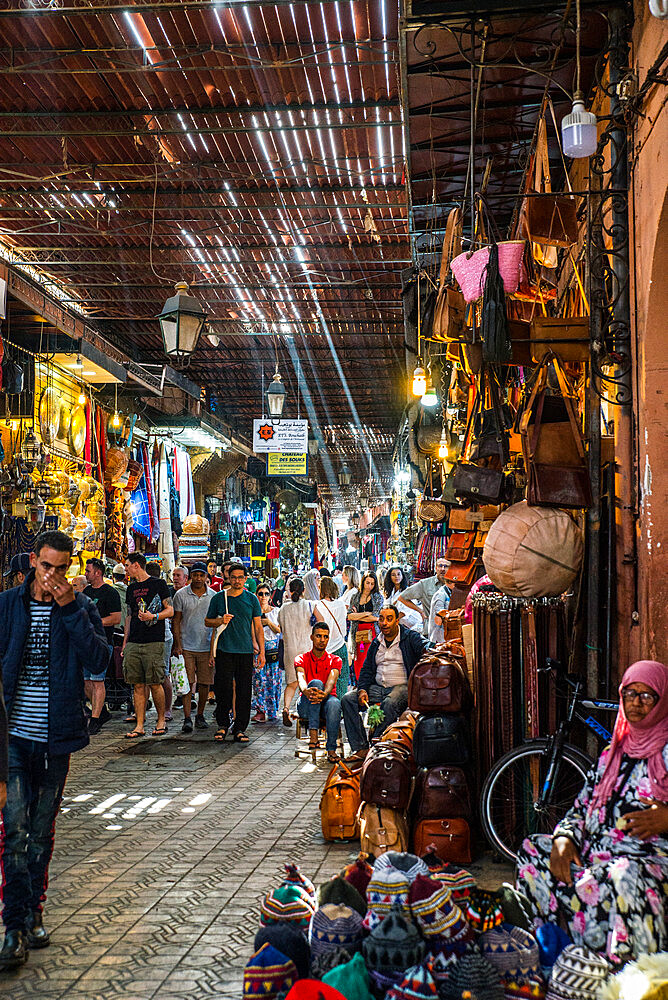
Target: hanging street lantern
[(344, 476), (313, 444), (181, 322), (276, 394)]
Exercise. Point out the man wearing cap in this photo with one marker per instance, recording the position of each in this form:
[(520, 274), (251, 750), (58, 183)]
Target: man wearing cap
[(19, 568), (108, 603), (193, 639), (423, 591)]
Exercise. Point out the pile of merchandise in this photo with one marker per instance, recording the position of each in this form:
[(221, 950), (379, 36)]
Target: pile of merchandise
[(412, 927)]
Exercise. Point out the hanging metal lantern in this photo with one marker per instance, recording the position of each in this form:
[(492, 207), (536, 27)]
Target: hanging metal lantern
[(276, 394), (30, 451), (181, 322)]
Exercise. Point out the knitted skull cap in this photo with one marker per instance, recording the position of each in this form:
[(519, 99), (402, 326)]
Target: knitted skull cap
[(551, 941), (417, 984), (290, 940), (517, 909), (293, 875), (395, 944), (578, 974), (351, 979), (287, 902), (358, 874), (409, 864), (328, 960), (337, 890), (333, 926), (441, 965), (472, 972), (524, 985), (432, 907), (267, 973), (510, 950), (388, 887)]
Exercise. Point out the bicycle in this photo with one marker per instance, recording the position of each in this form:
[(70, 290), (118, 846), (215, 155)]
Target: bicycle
[(531, 788)]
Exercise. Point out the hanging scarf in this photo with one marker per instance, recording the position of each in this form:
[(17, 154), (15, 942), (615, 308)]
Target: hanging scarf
[(496, 346), (141, 516), (644, 740)]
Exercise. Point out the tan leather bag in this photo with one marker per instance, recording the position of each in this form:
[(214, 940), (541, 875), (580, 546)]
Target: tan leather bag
[(430, 508), (339, 804), (382, 829), (449, 323)]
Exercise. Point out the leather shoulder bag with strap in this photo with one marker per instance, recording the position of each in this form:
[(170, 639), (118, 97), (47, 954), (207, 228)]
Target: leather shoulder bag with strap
[(430, 508), (449, 323)]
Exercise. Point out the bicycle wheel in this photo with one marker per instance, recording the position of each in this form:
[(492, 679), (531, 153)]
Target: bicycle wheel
[(512, 787)]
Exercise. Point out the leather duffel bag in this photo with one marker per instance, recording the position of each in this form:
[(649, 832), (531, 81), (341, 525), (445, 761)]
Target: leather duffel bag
[(382, 829), (387, 779), (442, 791), (441, 739), (438, 684), (339, 804), (451, 837)]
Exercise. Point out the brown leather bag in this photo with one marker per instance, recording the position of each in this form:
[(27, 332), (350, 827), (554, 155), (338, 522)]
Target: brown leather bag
[(387, 778), (550, 220), (463, 574), (400, 733), (339, 804), (460, 546), (451, 837), (449, 322), (430, 508), (438, 684), (454, 621), (442, 791), (382, 829)]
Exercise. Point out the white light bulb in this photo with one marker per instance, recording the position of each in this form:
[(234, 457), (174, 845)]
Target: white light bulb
[(579, 133)]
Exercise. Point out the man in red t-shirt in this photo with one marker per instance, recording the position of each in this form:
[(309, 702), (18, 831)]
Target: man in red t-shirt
[(317, 674)]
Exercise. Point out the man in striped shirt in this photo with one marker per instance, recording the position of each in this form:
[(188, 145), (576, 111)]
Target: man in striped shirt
[(47, 635)]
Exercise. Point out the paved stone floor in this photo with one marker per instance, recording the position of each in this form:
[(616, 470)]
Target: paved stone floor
[(163, 850)]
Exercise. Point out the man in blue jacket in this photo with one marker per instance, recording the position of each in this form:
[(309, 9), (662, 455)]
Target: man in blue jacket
[(47, 635), (383, 678)]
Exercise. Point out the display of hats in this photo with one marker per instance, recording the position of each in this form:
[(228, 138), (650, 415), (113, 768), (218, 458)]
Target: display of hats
[(432, 908), (646, 978), (358, 874), (472, 972), (328, 960), (287, 903), (338, 890), (409, 864), (294, 876), (313, 989), (333, 926), (516, 907), (290, 940), (351, 979), (578, 974), (388, 887), (510, 949), (417, 983), (551, 940), (483, 910), (395, 944), (267, 973)]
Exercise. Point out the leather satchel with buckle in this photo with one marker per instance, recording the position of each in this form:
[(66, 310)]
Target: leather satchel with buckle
[(460, 546)]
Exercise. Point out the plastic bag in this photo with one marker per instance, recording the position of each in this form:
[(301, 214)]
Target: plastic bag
[(177, 669)]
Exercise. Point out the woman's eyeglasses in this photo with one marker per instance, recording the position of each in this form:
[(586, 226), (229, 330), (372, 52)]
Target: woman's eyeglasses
[(644, 697)]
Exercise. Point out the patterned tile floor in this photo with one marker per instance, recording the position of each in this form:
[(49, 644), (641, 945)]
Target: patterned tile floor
[(163, 850)]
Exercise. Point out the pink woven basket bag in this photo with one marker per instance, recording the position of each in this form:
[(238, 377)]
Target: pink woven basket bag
[(470, 269)]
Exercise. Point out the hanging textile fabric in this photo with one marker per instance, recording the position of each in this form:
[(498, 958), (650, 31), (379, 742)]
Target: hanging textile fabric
[(165, 543), (174, 500), (141, 508)]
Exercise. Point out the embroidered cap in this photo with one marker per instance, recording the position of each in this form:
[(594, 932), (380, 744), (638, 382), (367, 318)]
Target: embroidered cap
[(267, 973), (578, 974), (335, 926), (288, 902)]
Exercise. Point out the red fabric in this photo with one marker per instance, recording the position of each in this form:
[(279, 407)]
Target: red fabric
[(643, 740), (274, 550), (318, 670), (217, 583)]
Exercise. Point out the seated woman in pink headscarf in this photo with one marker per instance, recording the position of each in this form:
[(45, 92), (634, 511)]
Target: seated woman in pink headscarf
[(605, 868)]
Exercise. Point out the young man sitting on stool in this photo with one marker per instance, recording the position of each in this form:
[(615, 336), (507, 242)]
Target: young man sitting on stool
[(383, 678), (317, 674)]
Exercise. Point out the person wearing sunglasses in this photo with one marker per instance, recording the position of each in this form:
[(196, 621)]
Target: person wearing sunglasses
[(605, 868), (267, 680)]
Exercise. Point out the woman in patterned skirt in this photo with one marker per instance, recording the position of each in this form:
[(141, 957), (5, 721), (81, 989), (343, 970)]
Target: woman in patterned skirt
[(268, 680)]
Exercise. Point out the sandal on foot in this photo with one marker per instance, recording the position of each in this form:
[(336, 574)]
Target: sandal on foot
[(332, 757), (135, 735), (220, 735), (159, 732), (130, 717), (287, 721), (241, 738)]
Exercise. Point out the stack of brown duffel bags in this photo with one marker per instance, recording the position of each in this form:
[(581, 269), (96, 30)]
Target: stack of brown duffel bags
[(414, 787)]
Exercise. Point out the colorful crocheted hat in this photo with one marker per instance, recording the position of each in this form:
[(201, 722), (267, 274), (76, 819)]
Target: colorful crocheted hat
[(395, 944), (441, 965), (290, 940), (409, 864), (417, 984), (432, 908), (351, 979), (460, 882), (287, 902), (524, 986), (510, 950), (267, 973), (388, 887), (335, 926), (483, 910), (328, 960), (578, 974), (294, 876), (358, 874), (337, 890), (471, 972)]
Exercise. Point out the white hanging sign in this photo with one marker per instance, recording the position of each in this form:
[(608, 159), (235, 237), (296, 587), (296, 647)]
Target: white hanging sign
[(280, 435)]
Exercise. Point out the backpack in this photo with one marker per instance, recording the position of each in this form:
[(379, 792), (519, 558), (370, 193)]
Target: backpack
[(382, 829), (339, 804), (438, 684)]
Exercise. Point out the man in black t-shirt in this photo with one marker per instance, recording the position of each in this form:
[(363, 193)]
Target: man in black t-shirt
[(149, 604), (108, 603)]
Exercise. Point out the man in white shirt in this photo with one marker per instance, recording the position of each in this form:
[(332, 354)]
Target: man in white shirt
[(423, 591)]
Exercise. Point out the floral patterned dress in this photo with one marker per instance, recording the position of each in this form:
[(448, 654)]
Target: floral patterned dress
[(616, 904), (268, 680)]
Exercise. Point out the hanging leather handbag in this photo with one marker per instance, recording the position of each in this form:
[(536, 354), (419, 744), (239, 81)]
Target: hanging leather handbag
[(387, 779), (566, 336), (463, 574), (430, 508), (490, 434), (449, 323), (460, 546), (441, 739), (339, 804), (451, 838), (442, 791), (549, 219), (479, 485), (382, 829)]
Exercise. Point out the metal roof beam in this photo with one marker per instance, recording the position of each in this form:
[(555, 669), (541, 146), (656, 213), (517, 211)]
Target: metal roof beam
[(186, 190), (122, 206), (392, 253), (219, 109), (95, 7), (116, 133)]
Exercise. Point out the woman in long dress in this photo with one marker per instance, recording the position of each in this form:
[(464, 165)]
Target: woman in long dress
[(294, 620), (605, 868), (267, 681)]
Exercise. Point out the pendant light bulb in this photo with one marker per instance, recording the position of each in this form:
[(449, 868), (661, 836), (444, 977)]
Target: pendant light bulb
[(82, 398), (430, 398), (443, 446), (579, 131), (419, 381), (116, 419)]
